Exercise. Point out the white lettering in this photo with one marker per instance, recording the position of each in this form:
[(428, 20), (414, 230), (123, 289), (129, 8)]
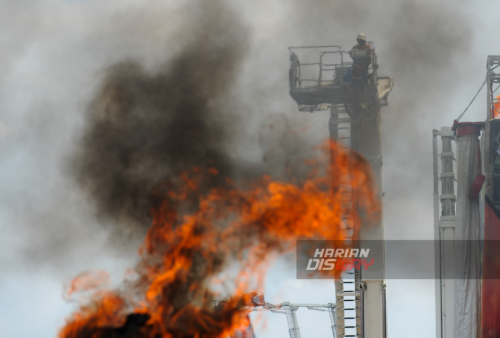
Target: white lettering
[(319, 253), (309, 264), (321, 264), (339, 253), (364, 252), (329, 252), (329, 264)]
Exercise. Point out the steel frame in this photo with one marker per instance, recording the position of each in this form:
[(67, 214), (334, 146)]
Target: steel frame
[(493, 83)]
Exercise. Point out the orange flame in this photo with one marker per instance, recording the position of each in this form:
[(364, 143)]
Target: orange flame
[(196, 234), (495, 111)]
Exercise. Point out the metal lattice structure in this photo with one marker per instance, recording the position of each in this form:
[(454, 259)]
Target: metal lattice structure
[(492, 85), (444, 227), (290, 310), (354, 103)]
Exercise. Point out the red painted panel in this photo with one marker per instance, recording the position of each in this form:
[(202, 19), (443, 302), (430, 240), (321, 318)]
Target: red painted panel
[(490, 312)]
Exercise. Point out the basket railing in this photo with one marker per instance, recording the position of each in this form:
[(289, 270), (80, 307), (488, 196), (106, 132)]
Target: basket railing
[(326, 70)]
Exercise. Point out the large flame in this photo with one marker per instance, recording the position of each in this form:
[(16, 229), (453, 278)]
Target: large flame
[(197, 235)]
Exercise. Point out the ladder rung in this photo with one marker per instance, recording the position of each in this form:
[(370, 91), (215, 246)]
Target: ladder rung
[(348, 293), (348, 327), (355, 298), (349, 300), (342, 120)]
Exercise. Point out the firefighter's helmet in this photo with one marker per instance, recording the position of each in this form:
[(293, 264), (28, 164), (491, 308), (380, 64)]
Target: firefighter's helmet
[(361, 36)]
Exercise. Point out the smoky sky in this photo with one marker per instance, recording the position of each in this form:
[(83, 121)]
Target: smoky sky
[(147, 91)]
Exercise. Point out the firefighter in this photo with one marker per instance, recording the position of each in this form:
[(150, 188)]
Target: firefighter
[(360, 68)]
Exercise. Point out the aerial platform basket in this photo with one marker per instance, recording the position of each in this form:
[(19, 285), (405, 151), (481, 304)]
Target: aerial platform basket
[(329, 81)]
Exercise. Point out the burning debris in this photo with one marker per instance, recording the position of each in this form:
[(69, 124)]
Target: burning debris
[(197, 232)]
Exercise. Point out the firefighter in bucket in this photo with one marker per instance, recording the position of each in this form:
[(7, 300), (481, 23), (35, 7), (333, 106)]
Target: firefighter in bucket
[(361, 55)]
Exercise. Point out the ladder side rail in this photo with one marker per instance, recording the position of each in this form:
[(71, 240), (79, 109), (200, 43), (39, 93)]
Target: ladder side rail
[(293, 325), (448, 209), (332, 312), (437, 236)]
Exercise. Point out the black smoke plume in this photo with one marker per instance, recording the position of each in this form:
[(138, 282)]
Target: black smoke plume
[(146, 127)]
